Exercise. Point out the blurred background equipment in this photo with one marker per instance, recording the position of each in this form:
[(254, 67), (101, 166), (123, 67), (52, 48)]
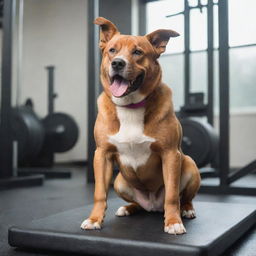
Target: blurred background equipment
[(38, 139), (200, 141)]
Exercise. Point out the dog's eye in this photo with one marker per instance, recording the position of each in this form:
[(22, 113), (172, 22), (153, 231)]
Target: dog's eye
[(138, 52), (112, 50)]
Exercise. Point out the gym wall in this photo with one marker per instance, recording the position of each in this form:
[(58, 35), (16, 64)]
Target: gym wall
[(55, 33)]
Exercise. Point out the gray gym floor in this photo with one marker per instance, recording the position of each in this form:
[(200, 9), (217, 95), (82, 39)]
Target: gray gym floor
[(23, 205)]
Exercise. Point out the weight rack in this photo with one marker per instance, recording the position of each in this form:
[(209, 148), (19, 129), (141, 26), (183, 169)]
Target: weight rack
[(226, 178), (223, 171)]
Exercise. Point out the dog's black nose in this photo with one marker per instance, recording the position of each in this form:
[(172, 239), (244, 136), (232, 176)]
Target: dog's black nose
[(118, 64)]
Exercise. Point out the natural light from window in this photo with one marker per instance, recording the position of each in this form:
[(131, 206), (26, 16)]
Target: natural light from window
[(242, 20)]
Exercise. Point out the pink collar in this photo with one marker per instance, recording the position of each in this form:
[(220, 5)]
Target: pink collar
[(136, 105)]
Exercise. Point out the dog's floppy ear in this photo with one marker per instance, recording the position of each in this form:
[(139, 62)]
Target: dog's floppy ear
[(107, 30), (160, 38)]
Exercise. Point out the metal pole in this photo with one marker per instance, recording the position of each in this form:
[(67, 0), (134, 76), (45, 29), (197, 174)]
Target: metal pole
[(51, 94), (142, 17), (6, 145), (210, 109), (224, 91), (186, 51), (93, 80), (19, 50)]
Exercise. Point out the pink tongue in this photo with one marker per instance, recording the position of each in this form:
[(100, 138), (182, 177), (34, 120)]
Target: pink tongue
[(119, 87)]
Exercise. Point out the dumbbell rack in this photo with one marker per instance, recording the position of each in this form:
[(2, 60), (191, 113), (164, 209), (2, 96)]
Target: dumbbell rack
[(8, 178)]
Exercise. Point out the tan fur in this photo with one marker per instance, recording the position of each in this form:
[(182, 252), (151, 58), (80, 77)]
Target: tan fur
[(167, 165)]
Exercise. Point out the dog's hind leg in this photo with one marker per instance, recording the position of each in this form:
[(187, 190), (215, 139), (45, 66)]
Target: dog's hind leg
[(123, 189), (190, 183)]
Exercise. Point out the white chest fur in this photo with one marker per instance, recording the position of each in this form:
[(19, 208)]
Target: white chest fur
[(132, 145)]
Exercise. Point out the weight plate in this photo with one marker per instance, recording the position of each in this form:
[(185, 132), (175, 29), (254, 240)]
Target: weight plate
[(61, 132), (200, 141), (28, 131)]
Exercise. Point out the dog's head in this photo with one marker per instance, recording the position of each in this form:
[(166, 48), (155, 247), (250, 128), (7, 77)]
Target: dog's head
[(129, 69)]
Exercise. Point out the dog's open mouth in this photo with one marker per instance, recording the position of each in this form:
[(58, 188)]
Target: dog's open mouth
[(120, 86)]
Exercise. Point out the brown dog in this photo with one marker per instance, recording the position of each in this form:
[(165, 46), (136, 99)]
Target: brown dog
[(136, 128)]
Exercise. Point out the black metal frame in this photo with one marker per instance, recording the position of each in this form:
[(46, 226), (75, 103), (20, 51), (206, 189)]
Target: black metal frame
[(210, 62), (93, 81), (51, 94), (206, 110), (224, 124), (142, 17), (186, 51), (7, 177), (6, 145), (226, 178)]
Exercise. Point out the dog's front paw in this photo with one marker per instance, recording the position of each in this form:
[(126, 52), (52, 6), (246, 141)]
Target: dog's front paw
[(188, 211), (122, 211), (90, 224), (175, 229), (190, 214)]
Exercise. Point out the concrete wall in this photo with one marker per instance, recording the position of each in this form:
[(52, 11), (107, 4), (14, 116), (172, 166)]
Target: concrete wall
[(55, 33)]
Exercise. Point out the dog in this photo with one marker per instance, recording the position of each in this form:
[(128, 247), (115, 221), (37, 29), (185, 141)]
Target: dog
[(137, 129)]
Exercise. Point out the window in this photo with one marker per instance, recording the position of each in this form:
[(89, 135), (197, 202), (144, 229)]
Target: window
[(242, 20), (198, 29), (156, 19)]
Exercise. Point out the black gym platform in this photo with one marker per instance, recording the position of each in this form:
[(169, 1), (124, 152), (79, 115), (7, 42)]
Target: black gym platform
[(216, 228)]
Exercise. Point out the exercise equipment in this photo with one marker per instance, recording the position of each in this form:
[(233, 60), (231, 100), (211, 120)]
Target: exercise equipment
[(37, 139), (61, 132), (221, 166), (8, 176), (200, 141), (127, 236), (57, 132), (28, 131)]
